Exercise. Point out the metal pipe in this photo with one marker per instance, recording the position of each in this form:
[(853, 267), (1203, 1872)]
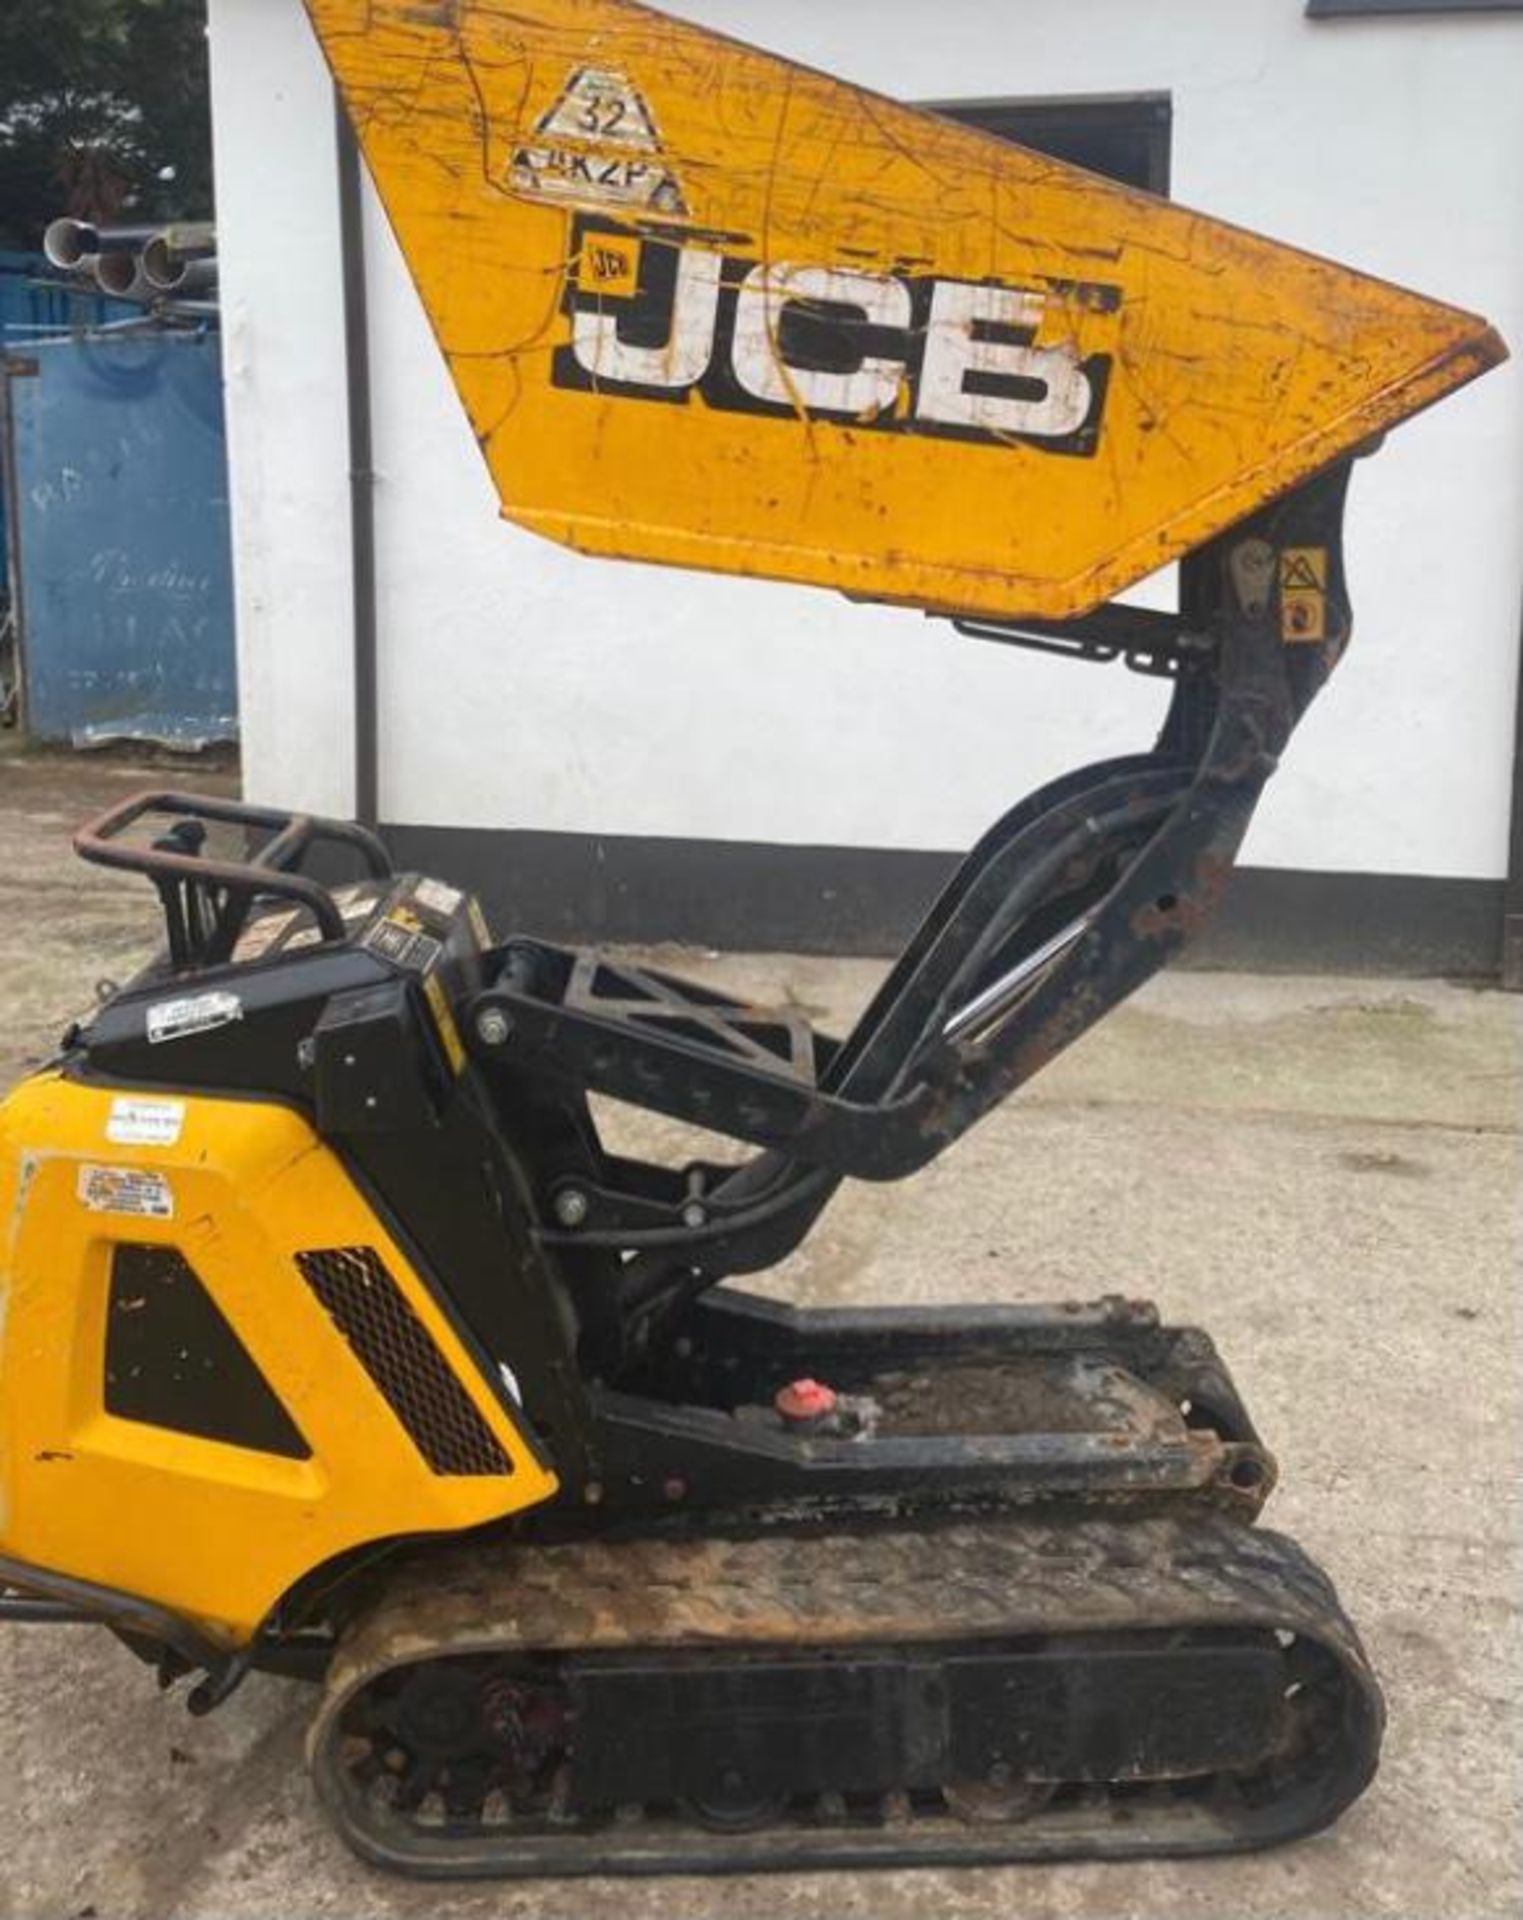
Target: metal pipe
[(31, 1610), (143, 1617), (361, 471), (170, 272), (121, 276), (71, 243), (162, 266), (191, 238), (64, 246), (1000, 996), (181, 259)]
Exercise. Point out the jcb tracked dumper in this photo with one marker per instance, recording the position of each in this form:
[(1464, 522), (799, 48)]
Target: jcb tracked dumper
[(336, 1341)]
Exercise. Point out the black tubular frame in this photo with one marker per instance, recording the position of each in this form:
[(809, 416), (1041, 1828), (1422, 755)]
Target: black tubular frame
[(206, 902)]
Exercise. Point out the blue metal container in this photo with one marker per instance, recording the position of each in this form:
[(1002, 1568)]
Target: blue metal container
[(32, 306), (125, 596)]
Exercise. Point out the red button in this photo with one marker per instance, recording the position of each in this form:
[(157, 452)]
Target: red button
[(806, 1400)]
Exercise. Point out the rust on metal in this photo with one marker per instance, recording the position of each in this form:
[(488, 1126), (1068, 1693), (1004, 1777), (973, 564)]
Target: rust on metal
[(1001, 1577)]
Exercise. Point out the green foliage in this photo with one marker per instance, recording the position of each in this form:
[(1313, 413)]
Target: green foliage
[(103, 113)]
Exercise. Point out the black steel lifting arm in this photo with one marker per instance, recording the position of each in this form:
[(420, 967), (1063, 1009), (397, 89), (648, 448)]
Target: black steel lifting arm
[(1064, 908)]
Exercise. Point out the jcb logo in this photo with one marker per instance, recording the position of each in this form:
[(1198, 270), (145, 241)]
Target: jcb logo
[(661, 319)]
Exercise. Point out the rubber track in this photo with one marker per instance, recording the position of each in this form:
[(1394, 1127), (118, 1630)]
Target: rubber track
[(997, 1579)]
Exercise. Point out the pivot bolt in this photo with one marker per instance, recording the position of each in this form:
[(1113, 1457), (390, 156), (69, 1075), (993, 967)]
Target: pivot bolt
[(493, 1027), (694, 1213), (571, 1206)]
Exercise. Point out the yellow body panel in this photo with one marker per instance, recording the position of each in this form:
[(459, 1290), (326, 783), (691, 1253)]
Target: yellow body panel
[(1047, 386), (212, 1531)]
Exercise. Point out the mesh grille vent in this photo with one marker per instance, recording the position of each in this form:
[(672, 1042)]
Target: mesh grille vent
[(396, 1350)]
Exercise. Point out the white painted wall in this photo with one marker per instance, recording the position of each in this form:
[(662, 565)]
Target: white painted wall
[(283, 368), (522, 686)]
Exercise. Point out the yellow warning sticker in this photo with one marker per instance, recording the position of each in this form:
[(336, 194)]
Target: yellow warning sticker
[(1303, 617), (1303, 567), (444, 1020), (1303, 595)]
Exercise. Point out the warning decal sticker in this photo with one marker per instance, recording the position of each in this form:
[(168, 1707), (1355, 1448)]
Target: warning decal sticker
[(134, 1122), (598, 143), (354, 902), (1303, 595), (437, 898), (137, 1191), (400, 938), (1303, 567), (197, 1013)]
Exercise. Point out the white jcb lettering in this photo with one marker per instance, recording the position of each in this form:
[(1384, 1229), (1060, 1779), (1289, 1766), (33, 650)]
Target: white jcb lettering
[(882, 350), (756, 350), (684, 358), (953, 350)]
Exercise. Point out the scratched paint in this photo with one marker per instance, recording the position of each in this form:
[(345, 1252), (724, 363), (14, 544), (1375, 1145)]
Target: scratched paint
[(850, 343)]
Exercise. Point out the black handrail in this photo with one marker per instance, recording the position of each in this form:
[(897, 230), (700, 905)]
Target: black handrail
[(206, 900)]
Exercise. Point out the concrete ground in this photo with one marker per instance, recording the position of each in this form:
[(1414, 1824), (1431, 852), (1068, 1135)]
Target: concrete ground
[(1325, 1172)]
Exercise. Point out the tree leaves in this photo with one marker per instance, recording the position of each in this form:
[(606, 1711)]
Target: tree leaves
[(104, 113)]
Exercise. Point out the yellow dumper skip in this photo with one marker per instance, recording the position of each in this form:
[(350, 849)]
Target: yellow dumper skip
[(708, 307)]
